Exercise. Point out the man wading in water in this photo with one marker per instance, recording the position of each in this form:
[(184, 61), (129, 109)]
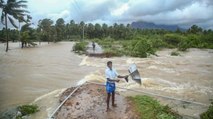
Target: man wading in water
[(93, 46), (111, 76)]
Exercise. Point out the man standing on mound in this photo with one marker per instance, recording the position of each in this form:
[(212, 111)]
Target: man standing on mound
[(111, 76)]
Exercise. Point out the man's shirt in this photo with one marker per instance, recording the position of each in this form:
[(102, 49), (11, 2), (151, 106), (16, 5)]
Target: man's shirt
[(111, 74)]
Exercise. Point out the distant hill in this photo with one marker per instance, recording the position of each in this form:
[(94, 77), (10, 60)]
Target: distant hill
[(150, 25)]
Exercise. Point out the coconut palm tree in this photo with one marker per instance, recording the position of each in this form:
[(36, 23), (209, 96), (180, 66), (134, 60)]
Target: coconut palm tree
[(12, 10), (46, 27)]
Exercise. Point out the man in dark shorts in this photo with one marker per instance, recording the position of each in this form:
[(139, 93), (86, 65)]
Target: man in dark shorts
[(111, 75)]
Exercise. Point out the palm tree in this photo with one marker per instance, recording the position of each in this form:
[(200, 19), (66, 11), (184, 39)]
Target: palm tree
[(46, 26), (12, 10)]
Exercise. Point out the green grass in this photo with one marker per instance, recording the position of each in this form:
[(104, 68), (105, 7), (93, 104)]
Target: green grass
[(149, 108)]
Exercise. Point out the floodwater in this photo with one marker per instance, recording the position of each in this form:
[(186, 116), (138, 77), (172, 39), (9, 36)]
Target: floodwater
[(188, 77), (40, 74), (26, 74)]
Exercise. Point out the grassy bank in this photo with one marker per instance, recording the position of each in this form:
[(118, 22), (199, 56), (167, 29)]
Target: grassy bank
[(149, 108)]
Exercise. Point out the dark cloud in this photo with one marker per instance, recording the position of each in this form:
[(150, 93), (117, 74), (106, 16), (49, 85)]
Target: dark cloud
[(143, 7), (175, 12), (91, 11)]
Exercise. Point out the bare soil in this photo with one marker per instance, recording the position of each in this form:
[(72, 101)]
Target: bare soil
[(89, 102)]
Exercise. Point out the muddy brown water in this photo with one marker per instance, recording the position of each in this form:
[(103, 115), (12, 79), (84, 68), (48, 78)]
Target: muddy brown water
[(29, 73), (40, 74)]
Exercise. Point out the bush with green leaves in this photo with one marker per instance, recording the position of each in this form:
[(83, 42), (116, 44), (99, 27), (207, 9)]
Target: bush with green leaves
[(111, 53), (172, 39), (149, 108), (184, 45), (142, 45), (27, 109), (208, 39), (106, 42), (208, 114), (142, 48), (80, 46), (195, 40), (138, 47), (158, 43)]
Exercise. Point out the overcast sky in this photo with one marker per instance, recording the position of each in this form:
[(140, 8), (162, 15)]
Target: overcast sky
[(176, 12)]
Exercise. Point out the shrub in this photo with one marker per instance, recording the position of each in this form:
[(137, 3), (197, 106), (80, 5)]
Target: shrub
[(184, 45), (142, 48), (80, 47), (207, 38), (172, 39), (112, 52), (194, 40), (208, 114), (105, 43), (28, 109), (158, 43)]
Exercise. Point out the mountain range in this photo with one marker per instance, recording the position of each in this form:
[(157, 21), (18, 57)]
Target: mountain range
[(150, 25)]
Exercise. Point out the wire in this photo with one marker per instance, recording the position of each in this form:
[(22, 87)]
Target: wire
[(64, 101)]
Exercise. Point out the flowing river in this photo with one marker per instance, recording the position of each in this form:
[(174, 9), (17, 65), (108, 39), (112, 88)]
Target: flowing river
[(38, 75)]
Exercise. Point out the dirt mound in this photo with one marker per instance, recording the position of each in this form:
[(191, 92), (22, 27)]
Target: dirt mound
[(89, 102)]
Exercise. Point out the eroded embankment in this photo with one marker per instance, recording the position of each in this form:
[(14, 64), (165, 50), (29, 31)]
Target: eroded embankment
[(89, 101)]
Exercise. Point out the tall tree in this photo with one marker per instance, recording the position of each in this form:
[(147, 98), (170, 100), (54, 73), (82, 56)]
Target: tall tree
[(46, 26), (195, 29), (82, 25), (60, 29), (105, 30), (90, 30), (98, 30), (12, 10), (24, 35)]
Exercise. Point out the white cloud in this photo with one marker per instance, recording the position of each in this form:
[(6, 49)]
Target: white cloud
[(64, 14), (119, 11)]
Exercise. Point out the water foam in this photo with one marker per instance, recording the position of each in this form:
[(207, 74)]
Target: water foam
[(55, 92), (47, 103), (84, 61), (92, 77)]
